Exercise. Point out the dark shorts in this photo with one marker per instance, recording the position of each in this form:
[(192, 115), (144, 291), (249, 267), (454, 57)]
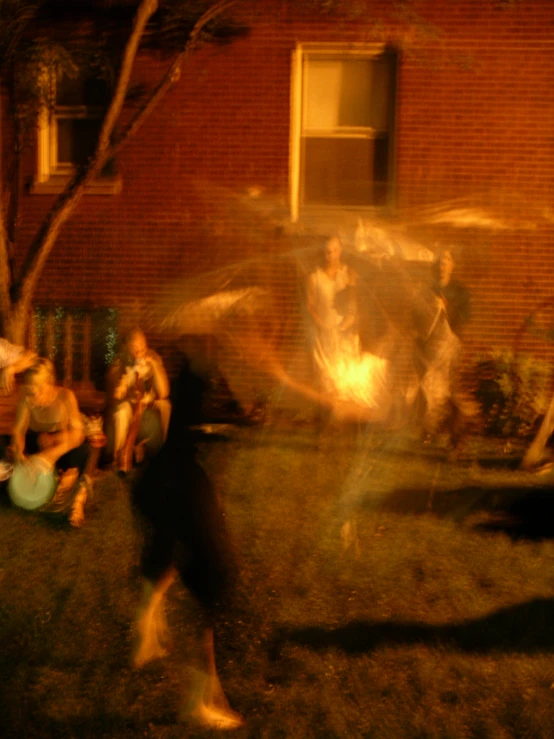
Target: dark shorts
[(74, 458)]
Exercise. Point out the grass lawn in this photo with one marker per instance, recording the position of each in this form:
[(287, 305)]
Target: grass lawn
[(435, 621)]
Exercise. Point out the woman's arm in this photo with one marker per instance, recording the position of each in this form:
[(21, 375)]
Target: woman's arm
[(26, 359), (20, 429), (160, 381)]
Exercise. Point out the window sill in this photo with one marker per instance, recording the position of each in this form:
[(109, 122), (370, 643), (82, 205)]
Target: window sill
[(57, 184), (321, 216)]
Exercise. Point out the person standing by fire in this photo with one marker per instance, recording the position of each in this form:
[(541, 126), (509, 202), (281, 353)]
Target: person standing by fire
[(344, 374), (332, 307)]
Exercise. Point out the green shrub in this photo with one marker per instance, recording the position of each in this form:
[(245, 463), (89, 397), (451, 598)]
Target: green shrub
[(512, 392)]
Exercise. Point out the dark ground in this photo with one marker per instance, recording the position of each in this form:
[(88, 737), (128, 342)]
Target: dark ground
[(435, 622)]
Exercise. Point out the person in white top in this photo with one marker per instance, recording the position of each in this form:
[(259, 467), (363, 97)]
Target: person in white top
[(344, 373)]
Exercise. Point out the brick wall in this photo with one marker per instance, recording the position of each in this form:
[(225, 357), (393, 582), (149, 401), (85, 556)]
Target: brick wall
[(205, 180)]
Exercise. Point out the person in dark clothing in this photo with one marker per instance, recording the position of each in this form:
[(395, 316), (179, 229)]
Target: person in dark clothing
[(440, 316), (184, 535), (456, 300)]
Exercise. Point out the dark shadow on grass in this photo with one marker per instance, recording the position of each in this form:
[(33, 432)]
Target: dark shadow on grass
[(41, 727), (518, 511), (500, 463), (522, 629)]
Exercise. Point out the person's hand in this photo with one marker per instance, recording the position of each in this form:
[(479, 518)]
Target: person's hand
[(440, 302), (121, 390), (15, 455), (40, 463), (145, 368), (146, 400), (9, 381)]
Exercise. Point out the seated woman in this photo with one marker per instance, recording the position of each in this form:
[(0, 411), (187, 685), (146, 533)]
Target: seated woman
[(139, 408), (48, 435)]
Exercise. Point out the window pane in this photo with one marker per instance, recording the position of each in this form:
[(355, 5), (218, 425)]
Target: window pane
[(321, 95), (338, 93), (76, 139), (355, 95), (343, 171)]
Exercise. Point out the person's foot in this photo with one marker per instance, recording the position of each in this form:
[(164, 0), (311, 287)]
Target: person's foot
[(207, 704), (212, 717), (67, 481), (77, 515), (118, 467)]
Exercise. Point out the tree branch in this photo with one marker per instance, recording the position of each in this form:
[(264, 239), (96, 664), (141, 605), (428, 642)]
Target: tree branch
[(171, 76), (5, 303), (65, 204)]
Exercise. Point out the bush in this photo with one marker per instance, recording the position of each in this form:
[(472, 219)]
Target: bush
[(512, 392)]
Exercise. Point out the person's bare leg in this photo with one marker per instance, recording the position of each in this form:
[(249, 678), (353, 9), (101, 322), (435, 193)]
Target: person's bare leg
[(63, 490), (152, 638), (349, 536), (77, 515), (207, 704), (122, 418)]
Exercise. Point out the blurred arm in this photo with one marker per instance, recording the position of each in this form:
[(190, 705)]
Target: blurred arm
[(19, 430)]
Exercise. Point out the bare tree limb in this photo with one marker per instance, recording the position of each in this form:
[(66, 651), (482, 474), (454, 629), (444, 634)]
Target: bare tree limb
[(65, 204), (5, 303), (171, 76)]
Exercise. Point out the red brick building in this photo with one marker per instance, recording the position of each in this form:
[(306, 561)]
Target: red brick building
[(269, 142)]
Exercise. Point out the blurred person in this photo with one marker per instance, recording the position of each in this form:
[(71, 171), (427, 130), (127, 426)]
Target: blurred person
[(138, 389), (343, 371), (184, 535), (441, 312), (48, 435), (13, 360), (332, 307)]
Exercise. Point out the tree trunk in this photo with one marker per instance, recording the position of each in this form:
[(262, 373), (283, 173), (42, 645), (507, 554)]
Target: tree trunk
[(16, 322), (15, 303), (16, 294)]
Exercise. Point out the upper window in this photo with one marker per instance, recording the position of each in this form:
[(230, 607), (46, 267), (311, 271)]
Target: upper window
[(343, 127), (68, 133)]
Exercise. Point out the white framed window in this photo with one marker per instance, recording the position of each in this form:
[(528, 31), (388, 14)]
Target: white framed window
[(67, 134), (342, 129)]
